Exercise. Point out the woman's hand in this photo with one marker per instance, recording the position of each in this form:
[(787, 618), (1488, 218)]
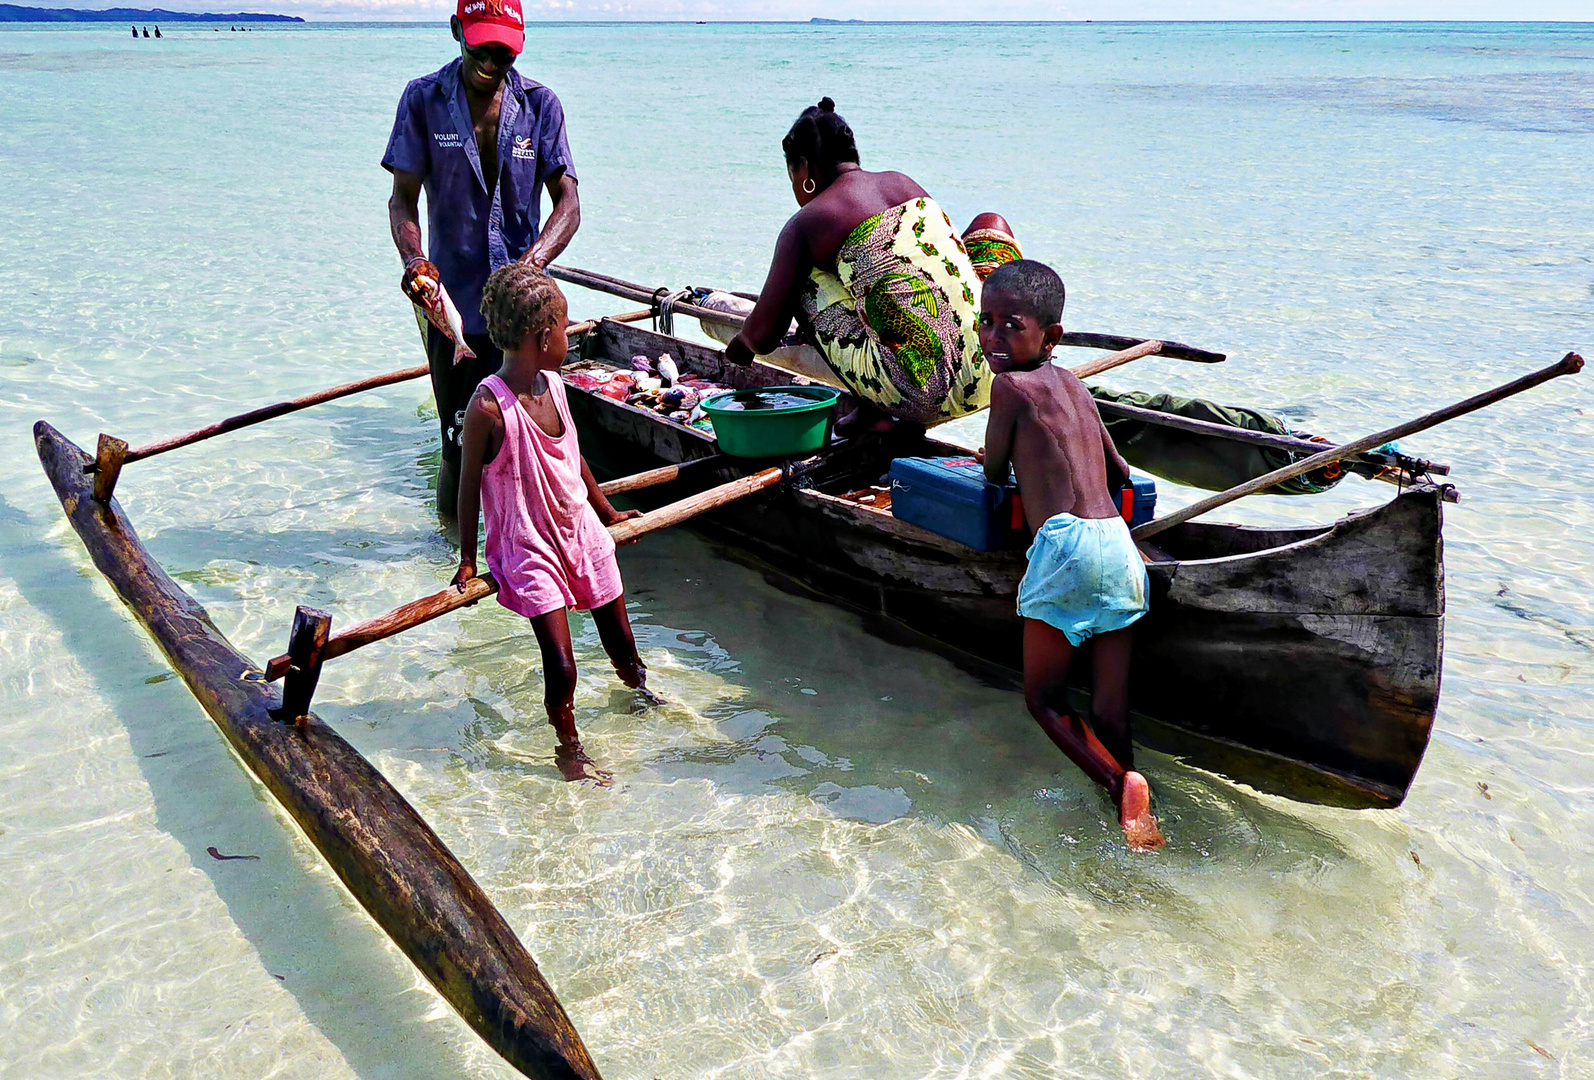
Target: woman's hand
[(979, 455), (466, 571), (419, 268), (739, 352)]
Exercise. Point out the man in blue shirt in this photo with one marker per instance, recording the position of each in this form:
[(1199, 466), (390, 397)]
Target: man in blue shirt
[(483, 142)]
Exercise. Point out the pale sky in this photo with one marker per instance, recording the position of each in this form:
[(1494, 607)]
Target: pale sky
[(882, 10)]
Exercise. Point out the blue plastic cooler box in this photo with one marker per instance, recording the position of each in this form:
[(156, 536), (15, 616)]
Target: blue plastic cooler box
[(1144, 505), (951, 498)]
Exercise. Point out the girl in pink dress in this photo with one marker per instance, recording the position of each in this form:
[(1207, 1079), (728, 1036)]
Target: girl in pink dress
[(547, 540)]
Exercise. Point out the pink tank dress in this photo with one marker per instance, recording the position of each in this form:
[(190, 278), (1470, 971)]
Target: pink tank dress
[(545, 544)]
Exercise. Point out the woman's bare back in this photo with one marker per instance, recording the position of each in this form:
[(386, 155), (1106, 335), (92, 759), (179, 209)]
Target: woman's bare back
[(853, 198)]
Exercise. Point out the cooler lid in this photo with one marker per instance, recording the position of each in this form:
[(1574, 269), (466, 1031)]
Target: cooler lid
[(947, 479)]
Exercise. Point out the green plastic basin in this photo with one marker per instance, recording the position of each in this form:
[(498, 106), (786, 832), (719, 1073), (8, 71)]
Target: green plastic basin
[(779, 431)]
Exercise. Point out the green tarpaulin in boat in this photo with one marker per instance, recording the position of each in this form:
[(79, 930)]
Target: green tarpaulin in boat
[(1204, 461)]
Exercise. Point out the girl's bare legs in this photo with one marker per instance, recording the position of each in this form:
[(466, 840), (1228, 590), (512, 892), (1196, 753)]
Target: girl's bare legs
[(614, 630), (559, 695)]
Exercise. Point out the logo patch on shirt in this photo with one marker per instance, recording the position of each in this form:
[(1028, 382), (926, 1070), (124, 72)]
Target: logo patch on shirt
[(523, 148), (447, 139)]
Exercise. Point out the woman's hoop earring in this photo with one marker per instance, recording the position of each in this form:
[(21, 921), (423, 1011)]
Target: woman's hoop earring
[(808, 186)]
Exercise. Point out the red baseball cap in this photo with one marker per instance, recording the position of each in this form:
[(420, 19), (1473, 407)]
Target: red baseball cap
[(492, 22)]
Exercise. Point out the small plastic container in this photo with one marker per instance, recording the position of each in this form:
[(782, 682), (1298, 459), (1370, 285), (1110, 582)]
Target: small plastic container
[(780, 431)]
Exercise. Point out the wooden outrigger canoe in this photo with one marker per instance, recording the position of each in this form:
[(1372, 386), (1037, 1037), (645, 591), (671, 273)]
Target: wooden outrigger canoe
[(369, 834), (1302, 661)]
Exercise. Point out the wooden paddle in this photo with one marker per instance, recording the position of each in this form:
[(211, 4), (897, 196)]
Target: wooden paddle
[(588, 325), (662, 475), (477, 588), (1117, 359), (113, 453), (630, 290), (1091, 367), (627, 532), (1569, 364), (1258, 438)]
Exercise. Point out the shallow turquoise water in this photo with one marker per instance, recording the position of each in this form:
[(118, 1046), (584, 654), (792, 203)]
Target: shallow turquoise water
[(836, 857)]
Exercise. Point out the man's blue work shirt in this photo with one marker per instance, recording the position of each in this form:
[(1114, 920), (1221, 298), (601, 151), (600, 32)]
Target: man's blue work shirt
[(474, 227)]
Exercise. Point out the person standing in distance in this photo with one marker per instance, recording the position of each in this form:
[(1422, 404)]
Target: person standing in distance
[(482, 141)]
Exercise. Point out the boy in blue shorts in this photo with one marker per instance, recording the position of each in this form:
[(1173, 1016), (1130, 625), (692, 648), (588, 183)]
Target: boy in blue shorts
[(1086, 580)]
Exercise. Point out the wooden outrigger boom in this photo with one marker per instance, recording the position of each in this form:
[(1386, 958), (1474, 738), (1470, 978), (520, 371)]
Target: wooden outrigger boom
[(380, 848)]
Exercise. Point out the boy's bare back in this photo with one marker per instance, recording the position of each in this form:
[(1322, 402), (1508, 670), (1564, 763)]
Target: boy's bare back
[(1046, 423)]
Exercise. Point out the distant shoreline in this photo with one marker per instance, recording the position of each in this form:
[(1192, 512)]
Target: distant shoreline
[(12, 13)]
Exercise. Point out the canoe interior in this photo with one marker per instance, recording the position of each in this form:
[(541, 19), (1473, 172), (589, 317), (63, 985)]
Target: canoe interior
[(1302, 661)]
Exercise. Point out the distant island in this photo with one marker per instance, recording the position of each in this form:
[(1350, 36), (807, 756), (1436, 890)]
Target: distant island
[(13, 13), (833, 22)]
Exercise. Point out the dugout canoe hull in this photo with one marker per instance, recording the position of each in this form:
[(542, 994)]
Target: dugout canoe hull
[(1305, 662), (375, 841)]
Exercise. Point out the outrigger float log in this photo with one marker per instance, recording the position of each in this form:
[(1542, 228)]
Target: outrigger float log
[(1305, 661), (370, 835), (375, 841)]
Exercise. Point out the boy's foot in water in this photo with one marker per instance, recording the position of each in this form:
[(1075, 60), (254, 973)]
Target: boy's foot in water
[(1134, 813), (574, 764)]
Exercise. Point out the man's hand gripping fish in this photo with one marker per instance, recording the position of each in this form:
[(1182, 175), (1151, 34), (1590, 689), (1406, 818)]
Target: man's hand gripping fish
[(434, 301)]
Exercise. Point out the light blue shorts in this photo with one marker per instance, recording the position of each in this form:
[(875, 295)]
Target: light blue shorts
[(1085, 577)]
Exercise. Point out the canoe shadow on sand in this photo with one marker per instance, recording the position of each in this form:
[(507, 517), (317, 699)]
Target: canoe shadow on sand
[(353, 986)]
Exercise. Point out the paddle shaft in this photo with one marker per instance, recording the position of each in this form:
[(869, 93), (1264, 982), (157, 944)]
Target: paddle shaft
[(269, 412), (477, 588), (588, 325), (662, 475), (1117, 359), (283, 408), (675, 513), (1569, 364), (630, 290), (1245, 435)]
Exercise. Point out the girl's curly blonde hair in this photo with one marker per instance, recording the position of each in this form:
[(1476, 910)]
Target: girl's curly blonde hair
[(517, 302)]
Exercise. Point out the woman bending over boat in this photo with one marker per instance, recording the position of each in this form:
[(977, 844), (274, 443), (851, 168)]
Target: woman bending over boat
[(877, 280), (547, 543)]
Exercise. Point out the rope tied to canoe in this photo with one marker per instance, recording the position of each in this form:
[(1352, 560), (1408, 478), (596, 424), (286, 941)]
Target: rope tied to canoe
[(664, 308)]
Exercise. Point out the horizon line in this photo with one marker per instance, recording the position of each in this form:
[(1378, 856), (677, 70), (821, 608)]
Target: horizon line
[(824, 21)]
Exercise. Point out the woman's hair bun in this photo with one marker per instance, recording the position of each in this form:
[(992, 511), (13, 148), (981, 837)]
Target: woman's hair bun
[(822, 138)]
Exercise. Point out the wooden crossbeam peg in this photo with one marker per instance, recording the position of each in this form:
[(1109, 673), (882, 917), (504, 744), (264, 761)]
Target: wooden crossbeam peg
[(108, 460), (307, 643)]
